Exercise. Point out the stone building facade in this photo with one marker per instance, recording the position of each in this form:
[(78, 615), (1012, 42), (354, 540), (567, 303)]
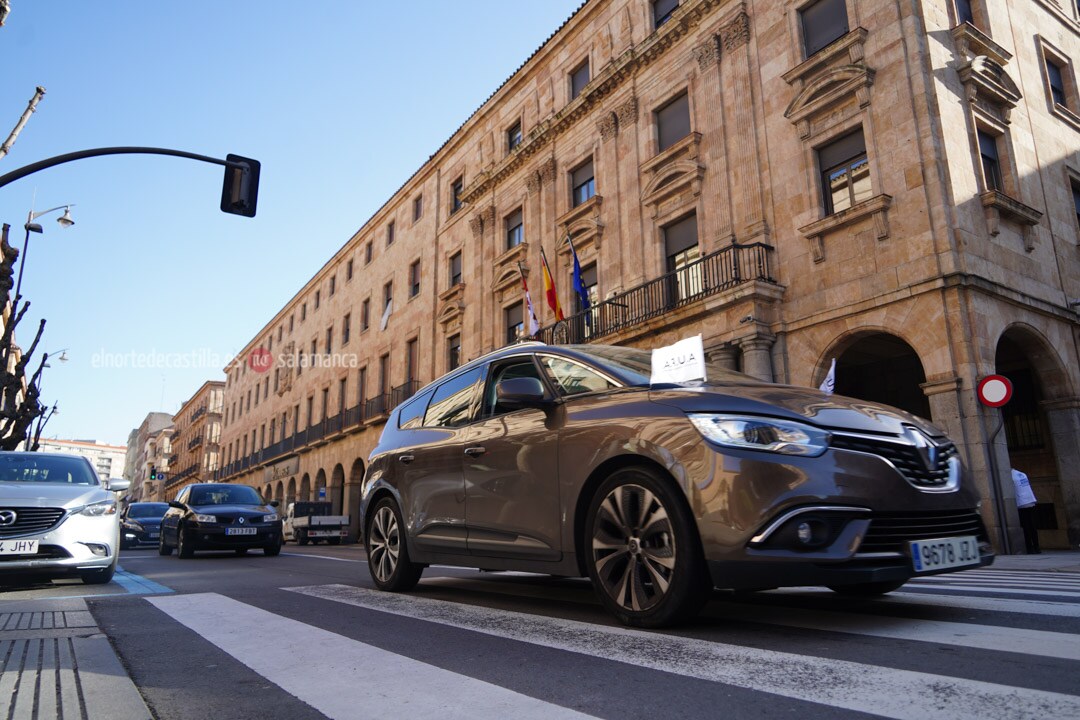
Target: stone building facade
[(139, 456), (196, 439), (893, 185)]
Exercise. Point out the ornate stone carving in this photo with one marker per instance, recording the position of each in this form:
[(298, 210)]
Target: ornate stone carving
[(532, 182), (707, 54), (546, 171), (627, 112), (487, 215), (736, 33), (476, 224), (607, 125)]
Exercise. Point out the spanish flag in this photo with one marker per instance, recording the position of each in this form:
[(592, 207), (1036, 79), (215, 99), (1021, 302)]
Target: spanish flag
[(549, 288)]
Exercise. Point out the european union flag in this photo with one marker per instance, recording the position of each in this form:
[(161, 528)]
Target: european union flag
[(579, 284)]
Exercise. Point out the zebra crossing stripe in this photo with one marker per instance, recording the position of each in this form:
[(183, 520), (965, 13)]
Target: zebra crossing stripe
[(992, 589), (882, 691), (310, 663)]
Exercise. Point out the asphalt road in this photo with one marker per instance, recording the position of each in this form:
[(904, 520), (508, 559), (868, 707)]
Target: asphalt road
[(305, 635)]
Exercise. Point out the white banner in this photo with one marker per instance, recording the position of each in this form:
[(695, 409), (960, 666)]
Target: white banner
[(682, 362)]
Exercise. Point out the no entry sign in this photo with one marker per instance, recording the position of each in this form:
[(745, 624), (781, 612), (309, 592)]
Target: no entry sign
[(995, 390)]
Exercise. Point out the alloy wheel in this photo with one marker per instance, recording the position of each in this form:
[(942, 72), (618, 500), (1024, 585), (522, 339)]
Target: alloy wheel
[(633, 547), (384, 543)]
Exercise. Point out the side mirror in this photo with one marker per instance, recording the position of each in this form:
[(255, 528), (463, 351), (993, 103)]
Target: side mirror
[(174, 504), (521, 393), (117, 484), (273, 503)]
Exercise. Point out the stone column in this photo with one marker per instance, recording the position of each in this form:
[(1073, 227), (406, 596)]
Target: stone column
[(631, 238), (757, 356), (715, 228), (351, 507), (609, 270), (1063, 417), (943, 395), (725, 355), (742, 128)]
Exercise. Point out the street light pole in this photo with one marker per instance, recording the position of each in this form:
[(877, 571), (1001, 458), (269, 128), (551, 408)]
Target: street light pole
[(64, 221)]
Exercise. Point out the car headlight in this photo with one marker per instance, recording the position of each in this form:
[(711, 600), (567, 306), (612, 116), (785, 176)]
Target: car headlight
[(272, 517), (105, 507), (768, 434), (132, 525), (205, 518)]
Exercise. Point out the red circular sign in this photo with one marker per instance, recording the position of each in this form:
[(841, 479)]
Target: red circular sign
[(995, 390), (260, 360)]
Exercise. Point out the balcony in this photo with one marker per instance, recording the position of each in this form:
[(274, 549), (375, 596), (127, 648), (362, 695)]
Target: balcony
[(195, 442), (712, 274), (372, 409)]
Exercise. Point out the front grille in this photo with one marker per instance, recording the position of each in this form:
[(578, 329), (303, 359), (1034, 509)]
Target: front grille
[(905, 458), (891, 531), (44, 552), (29, 520)]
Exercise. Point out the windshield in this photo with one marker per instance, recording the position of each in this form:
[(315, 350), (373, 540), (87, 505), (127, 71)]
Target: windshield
[(147, 510), (37, 468), (636, 364), (225, 495)]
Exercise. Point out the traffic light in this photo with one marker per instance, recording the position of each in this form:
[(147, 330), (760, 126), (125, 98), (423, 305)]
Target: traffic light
[(153, 472), (240, 189)]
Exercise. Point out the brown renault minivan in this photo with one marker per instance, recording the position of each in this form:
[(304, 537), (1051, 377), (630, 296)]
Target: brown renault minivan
[(564, 460)]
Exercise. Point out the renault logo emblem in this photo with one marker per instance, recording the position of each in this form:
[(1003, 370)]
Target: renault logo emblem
[(928, 451), (7, 517), (240, 520)]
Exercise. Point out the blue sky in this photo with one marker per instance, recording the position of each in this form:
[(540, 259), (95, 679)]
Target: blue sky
[(340, 101)]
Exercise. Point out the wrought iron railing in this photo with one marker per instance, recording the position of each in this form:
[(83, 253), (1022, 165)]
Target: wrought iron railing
[(710, 275)]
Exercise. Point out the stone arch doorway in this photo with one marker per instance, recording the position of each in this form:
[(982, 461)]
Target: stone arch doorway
[(290, 494), (1030, 426), (881, 367), (336, 491), (279, 494), (305, 488), (319, 491)]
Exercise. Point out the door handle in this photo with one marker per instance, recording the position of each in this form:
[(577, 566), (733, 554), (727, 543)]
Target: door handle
[(406, 459), (475, 451)]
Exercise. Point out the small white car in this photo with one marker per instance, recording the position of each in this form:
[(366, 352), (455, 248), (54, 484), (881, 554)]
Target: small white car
[(57, 518)]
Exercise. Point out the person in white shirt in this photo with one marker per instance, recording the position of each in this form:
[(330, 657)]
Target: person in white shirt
[(1025, 505)]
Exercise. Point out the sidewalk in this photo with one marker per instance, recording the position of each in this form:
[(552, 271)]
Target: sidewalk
[(1047, 561), (56, 663)]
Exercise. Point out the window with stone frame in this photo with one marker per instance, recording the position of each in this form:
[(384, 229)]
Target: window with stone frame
[(346, 328), (329, 339), (823, 22), (414, 279), (662, 10), (965, 13), (673, 121), (368, 252), (456, 189), (515, 231), (682, 251), (453, 352), (318, 296), (388, 294), (991, 161), (582, 183), (513, 136), (455, 269), (1056, 82), (579, 78), (1074, 185), (348, 277), (417, 207), (1060, 82), (514, 321), (365, 314), (845, 172), (333, 285), (390, 233)]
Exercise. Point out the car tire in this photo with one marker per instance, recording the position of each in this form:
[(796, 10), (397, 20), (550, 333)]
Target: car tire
[(185, 548), (642, 550), (334, 541), (274, 548), (302, 538), (100, 577), (387, 550), (163, 548), (872, 589)]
